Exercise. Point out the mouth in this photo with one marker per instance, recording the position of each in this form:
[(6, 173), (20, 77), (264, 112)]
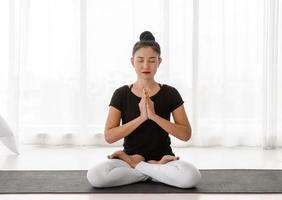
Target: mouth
[(146, 72)]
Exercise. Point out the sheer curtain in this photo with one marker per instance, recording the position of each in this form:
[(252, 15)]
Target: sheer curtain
[(230, 73), (61, 61)]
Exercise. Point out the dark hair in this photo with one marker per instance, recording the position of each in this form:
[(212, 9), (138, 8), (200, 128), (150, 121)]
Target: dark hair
[(146, 40)]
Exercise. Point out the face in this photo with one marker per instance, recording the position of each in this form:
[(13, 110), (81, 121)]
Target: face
[(146, 62)]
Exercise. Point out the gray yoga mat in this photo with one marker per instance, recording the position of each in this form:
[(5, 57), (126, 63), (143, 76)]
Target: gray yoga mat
[(74, 181)]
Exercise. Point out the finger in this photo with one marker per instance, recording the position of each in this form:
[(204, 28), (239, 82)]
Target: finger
[(149, 101), (145, 91), (148, 106), (146, 101), (145, 98)]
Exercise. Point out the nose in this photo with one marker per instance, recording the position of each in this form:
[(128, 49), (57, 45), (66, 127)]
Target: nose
[(145, 65)]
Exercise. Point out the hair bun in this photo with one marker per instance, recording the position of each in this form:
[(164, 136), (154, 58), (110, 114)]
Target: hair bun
[(147, 35)]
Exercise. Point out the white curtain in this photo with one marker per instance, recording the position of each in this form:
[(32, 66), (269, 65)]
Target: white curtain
[(61, 60)]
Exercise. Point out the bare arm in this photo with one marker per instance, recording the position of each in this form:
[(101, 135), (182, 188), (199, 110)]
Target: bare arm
[(181, 129), (115, 132)]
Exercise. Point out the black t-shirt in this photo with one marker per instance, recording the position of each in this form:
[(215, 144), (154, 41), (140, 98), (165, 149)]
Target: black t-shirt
[(149, 139)]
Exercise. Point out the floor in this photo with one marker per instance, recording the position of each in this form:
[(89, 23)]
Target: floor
[(62, 157)]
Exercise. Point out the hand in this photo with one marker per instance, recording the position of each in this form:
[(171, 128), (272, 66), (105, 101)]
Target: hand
[(149, 105), (142, 107)]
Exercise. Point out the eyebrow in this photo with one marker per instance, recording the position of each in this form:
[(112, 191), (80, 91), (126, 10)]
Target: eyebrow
[(149, 57)]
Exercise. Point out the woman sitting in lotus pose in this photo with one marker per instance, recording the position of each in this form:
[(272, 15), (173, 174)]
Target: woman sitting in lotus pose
[(145, 108)]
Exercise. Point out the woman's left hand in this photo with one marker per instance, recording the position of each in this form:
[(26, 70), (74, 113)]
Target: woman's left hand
[(150, 106)]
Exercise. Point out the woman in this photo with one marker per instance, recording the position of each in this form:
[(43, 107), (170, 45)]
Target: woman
[(144, 108)]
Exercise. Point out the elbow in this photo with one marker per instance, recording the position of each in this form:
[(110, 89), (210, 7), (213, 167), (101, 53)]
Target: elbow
[(108, 141), (187, 135), (186, 138), (107, 138)]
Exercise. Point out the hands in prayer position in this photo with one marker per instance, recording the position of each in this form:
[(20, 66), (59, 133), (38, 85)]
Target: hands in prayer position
[(146, 106)]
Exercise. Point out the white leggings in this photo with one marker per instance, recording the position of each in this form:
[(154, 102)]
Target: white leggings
[(115, 172)]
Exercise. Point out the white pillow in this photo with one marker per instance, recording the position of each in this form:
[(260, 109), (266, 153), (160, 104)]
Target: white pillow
[(7, 136)]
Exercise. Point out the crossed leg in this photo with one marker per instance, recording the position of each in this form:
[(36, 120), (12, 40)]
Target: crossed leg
[(114, 172), (176, 173), (169, 170)]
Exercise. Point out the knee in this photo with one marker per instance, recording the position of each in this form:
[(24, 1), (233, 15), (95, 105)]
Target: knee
[(190, 179), (96, 176), (189, 176)]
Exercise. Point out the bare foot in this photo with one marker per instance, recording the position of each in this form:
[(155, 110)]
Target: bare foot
[(153, 161), (115, 154), (167, 158), (131, 160)]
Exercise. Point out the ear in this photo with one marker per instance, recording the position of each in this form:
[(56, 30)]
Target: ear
[(132, 61), (160, 60)]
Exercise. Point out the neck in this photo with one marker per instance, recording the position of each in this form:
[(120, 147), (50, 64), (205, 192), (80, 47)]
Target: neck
[(149, 84)]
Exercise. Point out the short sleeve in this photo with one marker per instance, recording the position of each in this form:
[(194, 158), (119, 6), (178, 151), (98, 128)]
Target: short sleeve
[(176, 99), (116, 100)]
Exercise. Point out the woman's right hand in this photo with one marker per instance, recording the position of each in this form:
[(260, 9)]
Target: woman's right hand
[(142, 106)]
